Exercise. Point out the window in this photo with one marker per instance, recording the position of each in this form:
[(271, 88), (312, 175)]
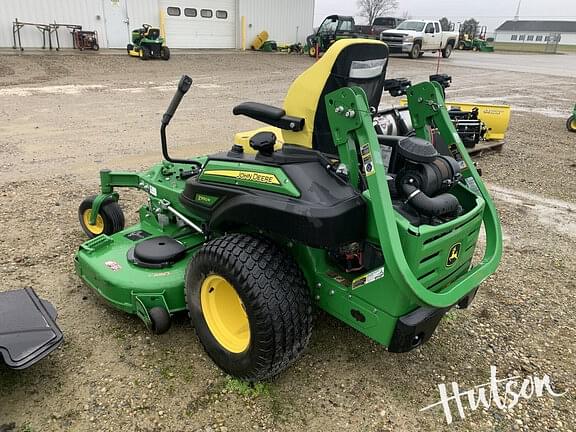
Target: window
[(429, 28), (346, 26), (173, 11), (538, 38), (189, 12), (206, 13), (522, 37), (437, 27), (546, 38), (411, 25), (530, 37), (514, 37), (328, 26), (221, 14)]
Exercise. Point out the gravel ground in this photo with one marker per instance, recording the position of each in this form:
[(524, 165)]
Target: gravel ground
[(65, 117)]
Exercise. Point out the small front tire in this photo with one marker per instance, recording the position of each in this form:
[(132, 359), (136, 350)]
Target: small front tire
[(571, 124), (312, 51), (110, 218), (160, 320)]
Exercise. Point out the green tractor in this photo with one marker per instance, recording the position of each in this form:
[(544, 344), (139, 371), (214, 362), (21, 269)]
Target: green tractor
[(476, 42), (333, 28), (147, 43), (571, 122), (378, 231)]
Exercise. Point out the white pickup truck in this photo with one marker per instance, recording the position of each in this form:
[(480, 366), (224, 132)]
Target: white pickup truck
[(414, 37)]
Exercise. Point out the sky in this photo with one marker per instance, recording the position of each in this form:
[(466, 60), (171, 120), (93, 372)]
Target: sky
[(491, 13)]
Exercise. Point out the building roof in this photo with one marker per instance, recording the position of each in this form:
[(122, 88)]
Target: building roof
[(539, 26)]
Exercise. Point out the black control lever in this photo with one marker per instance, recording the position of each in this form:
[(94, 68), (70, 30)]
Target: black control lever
[(183, 87)]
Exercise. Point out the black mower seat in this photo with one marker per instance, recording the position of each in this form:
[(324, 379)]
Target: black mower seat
[(156, 252)]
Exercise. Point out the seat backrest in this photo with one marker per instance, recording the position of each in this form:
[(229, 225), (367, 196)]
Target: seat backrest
[(348, 62)]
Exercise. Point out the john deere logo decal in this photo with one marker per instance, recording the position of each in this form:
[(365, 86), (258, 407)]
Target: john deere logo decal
[(453, 254)]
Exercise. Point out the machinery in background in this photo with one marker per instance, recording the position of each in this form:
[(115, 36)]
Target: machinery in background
[(482, 127), (28, 329), (571, 122), (333, 28), (80, 39), (261, 43), (147, 43), (476, 42), (83, 39)]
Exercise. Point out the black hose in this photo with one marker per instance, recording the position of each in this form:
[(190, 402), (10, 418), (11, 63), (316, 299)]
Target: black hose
[(440, 205)]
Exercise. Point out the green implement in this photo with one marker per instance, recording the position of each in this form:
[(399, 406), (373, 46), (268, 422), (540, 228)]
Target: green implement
[(378, 231)]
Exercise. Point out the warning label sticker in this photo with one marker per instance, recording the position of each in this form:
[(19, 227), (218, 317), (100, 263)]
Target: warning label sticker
[(367, 159), (368, 277)]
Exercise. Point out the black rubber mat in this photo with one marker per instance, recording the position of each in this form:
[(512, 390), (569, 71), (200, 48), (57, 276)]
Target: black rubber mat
[(28, 329)]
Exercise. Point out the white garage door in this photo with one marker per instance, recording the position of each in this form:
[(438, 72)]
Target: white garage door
[(200, 23)]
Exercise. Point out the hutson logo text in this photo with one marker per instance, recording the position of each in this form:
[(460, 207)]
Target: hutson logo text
[(500, 394)]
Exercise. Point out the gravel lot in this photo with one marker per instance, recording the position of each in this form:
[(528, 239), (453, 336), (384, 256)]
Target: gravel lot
[(65, 117)]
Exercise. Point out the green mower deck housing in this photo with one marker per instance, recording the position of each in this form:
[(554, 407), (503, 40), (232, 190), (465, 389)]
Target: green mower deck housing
[(406, 276)]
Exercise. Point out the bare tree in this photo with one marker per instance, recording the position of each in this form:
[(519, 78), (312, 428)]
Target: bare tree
[(446, 24), (371, 9)]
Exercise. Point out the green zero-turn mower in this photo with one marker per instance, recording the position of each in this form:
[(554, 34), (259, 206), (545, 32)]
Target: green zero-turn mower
[(571, 122), (379, 231), (147, 43)]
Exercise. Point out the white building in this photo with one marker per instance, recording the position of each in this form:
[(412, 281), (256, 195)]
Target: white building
[(187, 23), (536, 32)]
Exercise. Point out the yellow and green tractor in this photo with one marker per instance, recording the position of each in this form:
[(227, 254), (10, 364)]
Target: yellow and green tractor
[(148, 43)]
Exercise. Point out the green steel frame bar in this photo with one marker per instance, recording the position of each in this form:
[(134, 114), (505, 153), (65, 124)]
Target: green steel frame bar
[(351, 124)]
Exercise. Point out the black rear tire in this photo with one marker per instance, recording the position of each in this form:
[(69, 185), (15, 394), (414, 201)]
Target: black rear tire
[(110, 215), (145, 53), (273, 294), (415, 51), (571, 124), (447, 52)]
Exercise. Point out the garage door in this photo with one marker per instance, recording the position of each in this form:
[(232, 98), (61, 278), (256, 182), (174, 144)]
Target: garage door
[(200, 23)]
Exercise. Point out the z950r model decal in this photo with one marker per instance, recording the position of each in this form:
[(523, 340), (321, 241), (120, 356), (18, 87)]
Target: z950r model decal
[(245, 175)]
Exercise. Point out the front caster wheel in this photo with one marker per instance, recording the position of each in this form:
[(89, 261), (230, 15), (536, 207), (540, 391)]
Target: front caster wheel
[(159, 320), (571, 124), (110, 218), (249, 304)]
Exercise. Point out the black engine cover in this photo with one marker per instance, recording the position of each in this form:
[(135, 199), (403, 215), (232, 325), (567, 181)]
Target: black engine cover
[(328, 213)]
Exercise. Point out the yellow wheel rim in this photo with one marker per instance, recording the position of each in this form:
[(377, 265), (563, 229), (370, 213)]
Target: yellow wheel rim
[(312, 52), (94, 229), (573, 124), (224, 313)]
